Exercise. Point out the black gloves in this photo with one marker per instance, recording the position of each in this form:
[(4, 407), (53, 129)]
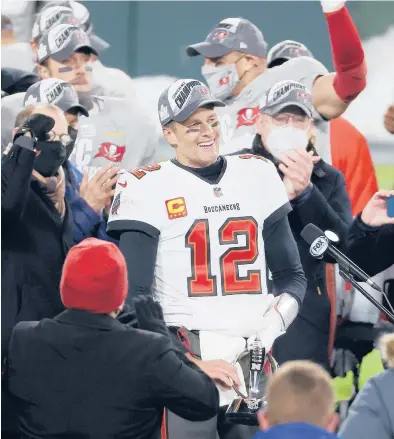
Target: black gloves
[(150, 315), (128, 317), (39, 126)]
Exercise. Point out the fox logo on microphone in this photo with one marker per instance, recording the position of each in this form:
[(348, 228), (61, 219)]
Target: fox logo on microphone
[(318, 247)]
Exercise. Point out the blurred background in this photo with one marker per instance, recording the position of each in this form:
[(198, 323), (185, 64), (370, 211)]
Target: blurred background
[(148, 38)]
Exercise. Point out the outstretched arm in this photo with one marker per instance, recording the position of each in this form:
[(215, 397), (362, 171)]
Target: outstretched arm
[(332, 93)]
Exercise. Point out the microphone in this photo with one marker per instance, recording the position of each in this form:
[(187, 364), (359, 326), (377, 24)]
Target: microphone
[(320, 244)]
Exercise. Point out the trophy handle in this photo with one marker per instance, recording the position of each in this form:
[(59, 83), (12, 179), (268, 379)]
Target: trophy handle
[(274, 365)]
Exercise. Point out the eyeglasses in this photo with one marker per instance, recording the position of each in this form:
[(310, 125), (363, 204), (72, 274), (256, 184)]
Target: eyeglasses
[(283, 119), (64, 139)]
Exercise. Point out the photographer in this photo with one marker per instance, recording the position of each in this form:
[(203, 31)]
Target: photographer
[(317, 194), (37, 224), (90, 200)]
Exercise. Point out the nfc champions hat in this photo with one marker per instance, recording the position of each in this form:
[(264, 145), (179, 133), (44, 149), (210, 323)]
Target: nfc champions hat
[(56, 92), (73, 13), (182, 98), (61, 41), (286, 50), (285, 94), (231, 34)]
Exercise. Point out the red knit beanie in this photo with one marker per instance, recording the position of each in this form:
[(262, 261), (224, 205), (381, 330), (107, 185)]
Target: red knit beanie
[(94, 277)]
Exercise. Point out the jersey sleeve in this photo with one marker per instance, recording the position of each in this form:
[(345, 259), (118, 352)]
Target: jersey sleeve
[(276, 201), (305, 70), (135, 206)]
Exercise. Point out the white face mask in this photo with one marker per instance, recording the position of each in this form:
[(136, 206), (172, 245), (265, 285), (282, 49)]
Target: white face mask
[(284, 139), (221, 80)]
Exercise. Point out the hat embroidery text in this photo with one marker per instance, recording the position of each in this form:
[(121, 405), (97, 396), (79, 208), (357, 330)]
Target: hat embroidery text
[(54, 93), (286, 89), (52, 20), (62, 38), (185, 92)]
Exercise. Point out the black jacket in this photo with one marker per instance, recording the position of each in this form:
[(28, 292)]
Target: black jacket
[(35, 241), (16, 80), (84, 375), (372, 248), (327, 205)]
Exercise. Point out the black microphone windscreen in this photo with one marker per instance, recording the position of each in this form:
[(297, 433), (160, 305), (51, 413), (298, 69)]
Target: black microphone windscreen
[(311, 232)]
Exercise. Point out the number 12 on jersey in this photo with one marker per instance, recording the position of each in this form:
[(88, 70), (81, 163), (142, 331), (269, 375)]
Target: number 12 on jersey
[(202, 282)]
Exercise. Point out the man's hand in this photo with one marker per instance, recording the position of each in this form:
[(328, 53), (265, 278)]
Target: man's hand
[(150, 315), (375, 212), (223, 373), (98, 192), (297, 167), (389, 120)]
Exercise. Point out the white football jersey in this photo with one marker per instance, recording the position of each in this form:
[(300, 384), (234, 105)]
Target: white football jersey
[(210, 269), (238, 118)]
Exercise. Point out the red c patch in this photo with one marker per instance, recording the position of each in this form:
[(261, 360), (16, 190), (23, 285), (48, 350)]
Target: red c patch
[(111, 152), (247, 116)]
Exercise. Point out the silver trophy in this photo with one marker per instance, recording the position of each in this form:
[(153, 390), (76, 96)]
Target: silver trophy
[(243, 409)]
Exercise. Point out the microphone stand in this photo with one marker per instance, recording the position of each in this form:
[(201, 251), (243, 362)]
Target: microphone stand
[(345, 274)]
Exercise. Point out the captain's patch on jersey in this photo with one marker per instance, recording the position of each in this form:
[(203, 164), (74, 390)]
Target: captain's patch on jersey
[(176, 208)]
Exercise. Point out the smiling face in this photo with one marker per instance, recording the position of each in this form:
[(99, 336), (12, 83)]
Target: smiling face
[(197, 139)]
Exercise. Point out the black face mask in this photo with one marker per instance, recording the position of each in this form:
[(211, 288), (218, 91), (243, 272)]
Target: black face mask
[(70, 146), (50, 157)]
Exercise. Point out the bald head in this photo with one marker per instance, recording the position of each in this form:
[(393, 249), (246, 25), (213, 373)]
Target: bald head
[(300, 391), (61, 124)]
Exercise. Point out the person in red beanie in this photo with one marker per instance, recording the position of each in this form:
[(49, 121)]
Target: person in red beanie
[(85, 374)]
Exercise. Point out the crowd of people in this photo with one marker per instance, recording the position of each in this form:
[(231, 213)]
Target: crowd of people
[(133, 289)]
